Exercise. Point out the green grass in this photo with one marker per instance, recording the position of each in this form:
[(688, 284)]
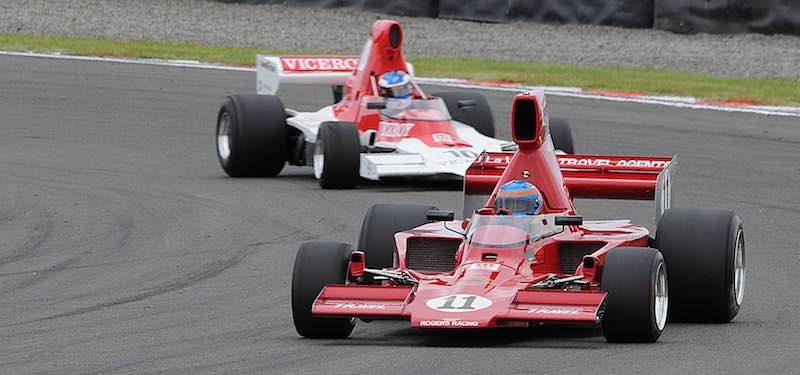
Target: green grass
[(650, 81)]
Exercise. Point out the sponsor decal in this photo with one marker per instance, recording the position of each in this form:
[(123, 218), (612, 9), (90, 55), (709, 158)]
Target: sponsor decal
[(394, 129), (567, 162), (312, 64), (469, 154), (486, 158), (459, 303), (448, 323), (269, 65), (457, 157), (485, 266), (554, 311), (364, 306), (442, 138), (446, 163)]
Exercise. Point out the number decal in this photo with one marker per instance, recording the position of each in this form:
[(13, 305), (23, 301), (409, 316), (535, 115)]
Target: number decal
[(459, 303), (468, 303), (448, 303)]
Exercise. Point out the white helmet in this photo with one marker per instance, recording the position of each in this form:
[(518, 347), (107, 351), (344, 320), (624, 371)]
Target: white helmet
[(396, 84)]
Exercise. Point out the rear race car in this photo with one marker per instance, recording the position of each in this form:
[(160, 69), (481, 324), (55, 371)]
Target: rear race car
[(365, 133), (496, 269)]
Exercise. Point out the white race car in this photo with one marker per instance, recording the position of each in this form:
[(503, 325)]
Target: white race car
[(366, 133)]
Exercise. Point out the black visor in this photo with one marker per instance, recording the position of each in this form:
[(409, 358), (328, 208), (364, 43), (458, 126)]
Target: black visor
[(516, 204)]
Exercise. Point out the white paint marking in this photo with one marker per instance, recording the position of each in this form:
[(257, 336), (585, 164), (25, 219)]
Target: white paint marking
[(574, 92)]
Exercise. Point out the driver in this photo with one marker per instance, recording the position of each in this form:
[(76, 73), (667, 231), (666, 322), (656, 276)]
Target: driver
[(519, 197), (396, 87)]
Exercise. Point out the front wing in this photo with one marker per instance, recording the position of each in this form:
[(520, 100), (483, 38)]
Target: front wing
[(378, 302), (375, 166)]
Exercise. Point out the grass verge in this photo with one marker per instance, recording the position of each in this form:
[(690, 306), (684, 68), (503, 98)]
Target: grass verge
[(776, 91)]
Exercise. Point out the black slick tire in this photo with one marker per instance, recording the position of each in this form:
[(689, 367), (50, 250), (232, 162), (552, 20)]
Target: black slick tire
[(633, 311), (478, 116), (561, 134), (251, 136), (317, 264), (380, 224), (700, 247), (337, 155)]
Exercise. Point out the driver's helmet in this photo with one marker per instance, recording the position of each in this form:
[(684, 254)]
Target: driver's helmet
[(396, 84), (519, 197)]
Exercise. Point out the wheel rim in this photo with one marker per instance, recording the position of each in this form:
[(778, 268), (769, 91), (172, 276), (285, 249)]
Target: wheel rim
[(662, 297), (739, 269), (319, 159), (224, 136)]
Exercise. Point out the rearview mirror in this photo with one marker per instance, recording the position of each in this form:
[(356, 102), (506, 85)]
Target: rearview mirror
[(376, 105), (436, 215), (569, 220), (466, 104)]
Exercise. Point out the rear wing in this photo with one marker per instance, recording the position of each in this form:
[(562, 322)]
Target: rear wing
[(271, 71), (585, 176)]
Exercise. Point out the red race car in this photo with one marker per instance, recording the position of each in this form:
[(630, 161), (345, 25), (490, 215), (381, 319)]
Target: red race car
[(498, 268), (381, 125)]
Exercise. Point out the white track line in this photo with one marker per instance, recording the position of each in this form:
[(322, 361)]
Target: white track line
[(574, 92)]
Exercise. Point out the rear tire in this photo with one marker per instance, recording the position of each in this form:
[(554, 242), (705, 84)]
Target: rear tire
[(561, 134), (251, 136), (705, 253), (380, 224), (337, 155), (319, 263), (636, 306), (479, 117)]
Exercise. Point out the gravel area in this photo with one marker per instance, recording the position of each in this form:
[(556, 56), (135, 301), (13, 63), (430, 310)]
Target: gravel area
[(343, 30)]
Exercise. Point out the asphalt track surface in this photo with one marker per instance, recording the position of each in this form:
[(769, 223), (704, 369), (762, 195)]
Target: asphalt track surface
[(125, 249)]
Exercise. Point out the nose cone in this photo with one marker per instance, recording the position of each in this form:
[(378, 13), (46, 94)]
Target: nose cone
[(478, 294)]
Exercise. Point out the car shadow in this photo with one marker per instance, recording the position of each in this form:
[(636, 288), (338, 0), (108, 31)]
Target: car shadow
[(555, 337)]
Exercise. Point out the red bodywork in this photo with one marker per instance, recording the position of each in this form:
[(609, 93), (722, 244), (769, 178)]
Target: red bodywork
[(382, 53), (494, 286)]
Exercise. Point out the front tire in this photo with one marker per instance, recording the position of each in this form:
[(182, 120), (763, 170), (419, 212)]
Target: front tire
[(251, 136), (319, 263), (337, 155), (479, 117), (638, 299), (704, 250), (380, 224)]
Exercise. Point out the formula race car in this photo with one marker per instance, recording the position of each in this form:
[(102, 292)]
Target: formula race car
[(381, 125), (502, 268)]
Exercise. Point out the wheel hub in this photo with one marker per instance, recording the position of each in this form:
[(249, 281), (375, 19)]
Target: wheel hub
[(739, 269), (319, 159), (661, 304), (224, 136)]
